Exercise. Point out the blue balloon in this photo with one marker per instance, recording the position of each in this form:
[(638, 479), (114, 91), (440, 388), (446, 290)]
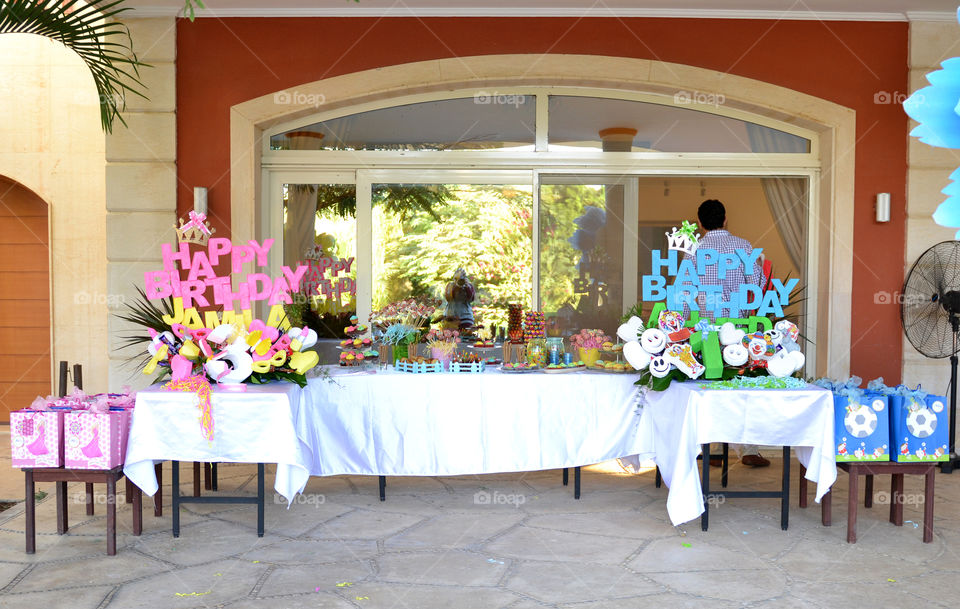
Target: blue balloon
[(583, 240), (937, 110), (592, 219), (948, 212), (935, 107)]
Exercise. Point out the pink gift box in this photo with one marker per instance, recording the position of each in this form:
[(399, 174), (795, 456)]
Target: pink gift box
[(95, 440), (36, 438)]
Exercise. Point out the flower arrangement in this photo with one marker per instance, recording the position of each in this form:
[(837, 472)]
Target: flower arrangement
[(589, 339), (231, 353)]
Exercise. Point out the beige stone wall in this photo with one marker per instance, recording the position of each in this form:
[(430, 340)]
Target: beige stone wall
[(52, 143), (928, 171), (141, 179)]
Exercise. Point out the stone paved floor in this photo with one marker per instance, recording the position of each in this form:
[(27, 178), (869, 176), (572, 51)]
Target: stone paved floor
[(436, 543)]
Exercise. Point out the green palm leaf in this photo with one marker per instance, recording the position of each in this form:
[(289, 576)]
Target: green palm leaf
[(90, 30)]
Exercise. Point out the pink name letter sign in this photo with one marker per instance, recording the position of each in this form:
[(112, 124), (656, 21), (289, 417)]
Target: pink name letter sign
[(190, 293)]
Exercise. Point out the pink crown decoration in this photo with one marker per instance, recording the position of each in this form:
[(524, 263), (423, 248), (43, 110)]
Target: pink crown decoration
[(195, 230)]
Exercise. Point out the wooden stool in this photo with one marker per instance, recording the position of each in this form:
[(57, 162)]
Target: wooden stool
[(869, 469), (61, 476)]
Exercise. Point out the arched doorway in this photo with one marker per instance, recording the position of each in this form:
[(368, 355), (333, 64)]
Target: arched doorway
[(833, 126), (25, 298)]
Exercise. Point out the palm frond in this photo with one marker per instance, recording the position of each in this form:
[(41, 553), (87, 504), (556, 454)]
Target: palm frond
[(91, 31), (144, 312)]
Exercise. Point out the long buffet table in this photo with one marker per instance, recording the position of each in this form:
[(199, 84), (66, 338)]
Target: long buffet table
[(381, 422), (387, 423)]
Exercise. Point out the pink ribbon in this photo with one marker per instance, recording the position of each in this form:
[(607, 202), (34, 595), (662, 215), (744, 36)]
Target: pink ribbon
[(198, 221)]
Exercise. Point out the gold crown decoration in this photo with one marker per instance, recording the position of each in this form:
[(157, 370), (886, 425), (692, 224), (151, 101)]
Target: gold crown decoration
[(195, 230), (684, 239)]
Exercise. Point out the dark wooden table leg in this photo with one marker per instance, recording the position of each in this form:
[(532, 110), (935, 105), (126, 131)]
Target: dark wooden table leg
[(868, 492), (566, 476), (657, 477), (725, 463), (853, 503), (112, 515), (158, 498), (62, 517), (128, 491), (196, 478), (785, 500), (137, 510), (802, 492), (213, 476), (896, 499), (260, 499), (175, 496), (89, 495), (928, 499), (207, 482), (826, 509), (705, 483), (576, 482), (382, 483), (30, 499)]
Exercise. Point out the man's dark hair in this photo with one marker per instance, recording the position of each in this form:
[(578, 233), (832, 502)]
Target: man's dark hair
[(712, 214)]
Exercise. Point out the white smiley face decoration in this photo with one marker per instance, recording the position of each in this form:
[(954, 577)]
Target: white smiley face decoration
[(659, 367), (735, 355), (780, 365), (635, 355), (774, 336), (730, 334), (653, 341)]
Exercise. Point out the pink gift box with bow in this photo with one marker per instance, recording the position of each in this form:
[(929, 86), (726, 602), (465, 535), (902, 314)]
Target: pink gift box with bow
[(36, 438), (95, 440)]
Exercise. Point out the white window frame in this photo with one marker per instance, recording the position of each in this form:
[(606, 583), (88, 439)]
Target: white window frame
[(365, 168)]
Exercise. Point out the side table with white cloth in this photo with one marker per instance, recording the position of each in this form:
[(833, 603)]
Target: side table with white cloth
[(388, 423), (259, 425), (680, 422)]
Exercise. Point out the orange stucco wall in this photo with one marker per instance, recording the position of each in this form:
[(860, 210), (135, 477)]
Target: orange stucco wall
[(221, 62)]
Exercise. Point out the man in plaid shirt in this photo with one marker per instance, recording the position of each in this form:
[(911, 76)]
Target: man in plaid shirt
[(713, 219)]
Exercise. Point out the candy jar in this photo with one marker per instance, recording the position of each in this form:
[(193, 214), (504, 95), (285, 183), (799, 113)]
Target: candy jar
[(537, 352), (555, 349)]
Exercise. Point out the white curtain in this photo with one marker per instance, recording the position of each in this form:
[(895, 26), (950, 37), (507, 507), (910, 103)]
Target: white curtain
[(787, 197), (298, 231)]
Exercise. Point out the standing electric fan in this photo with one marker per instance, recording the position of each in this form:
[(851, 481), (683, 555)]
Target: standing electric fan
[(930, 314)]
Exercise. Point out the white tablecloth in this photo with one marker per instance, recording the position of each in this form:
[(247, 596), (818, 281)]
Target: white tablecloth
[(259, 425), (393, 423), (677, 421)]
